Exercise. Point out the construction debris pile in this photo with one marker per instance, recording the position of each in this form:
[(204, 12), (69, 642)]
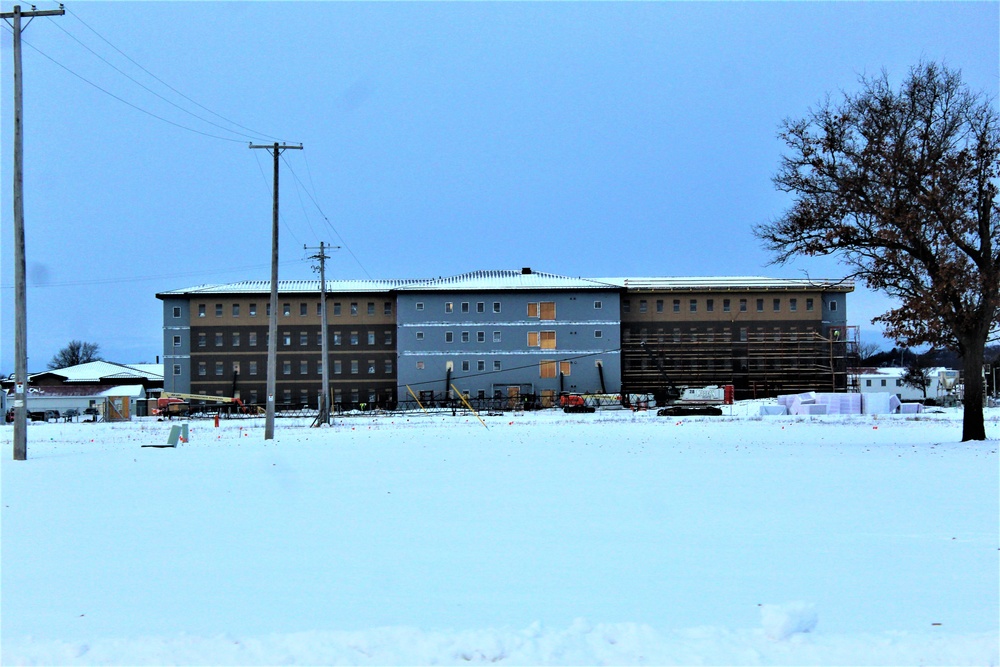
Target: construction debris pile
[(814, 403)]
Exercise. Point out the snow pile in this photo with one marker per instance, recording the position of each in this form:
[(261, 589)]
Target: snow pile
[(781, 621)]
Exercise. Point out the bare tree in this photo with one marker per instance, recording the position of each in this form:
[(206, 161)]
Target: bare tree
[(867, 350), (902, 187), (76, 352)]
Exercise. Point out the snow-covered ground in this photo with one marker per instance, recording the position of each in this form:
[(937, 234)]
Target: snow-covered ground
[(613, 538)]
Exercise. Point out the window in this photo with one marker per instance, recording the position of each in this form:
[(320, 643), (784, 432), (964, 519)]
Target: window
[(677, 305), (253, 310), (547, 310), (177, 311), (388, 366), (387, 308), (465, 365), (287, 396), (659, 305), (883, 382), (337, 338), (642, 306), (371, 337), (354, 366), (743, 305), (202, 370), (303, 367), (253, 368), (218, 310), (304, 397), (547, 369), (354, 338), (548, 340), (371, 367), (480, 336), (833, 304), (710, 305), (868, 383), (420, 305), (564, 367), (388, 337), (253, 396), (449, 337), (201, 310), (465, 336), (319, 367), (338, 367), (760, 305), (793, 304), (267, 309), (449, 307), (236, 310), (809, 303), (286, 309), (336, 308), (777, 305), (496, 306), (626, 305), (354, 308), (496, 366), (286, 338), (533, 309), (236, 368), (693, 305), (202, 339), (236, 339), (420, 365), (465, 306), (743, 334), (177, 369), (319, 309), (480, 307), (420, 335), (481, 365), (532, 339), (725, 305), (371, 307), (496, 336), (218, 368), (218, 340), (286, 367), (598, 333), (177, 341)]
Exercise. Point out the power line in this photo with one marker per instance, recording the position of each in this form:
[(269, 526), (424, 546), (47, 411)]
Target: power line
[(200, 106), (148, 89), (327, 220), (126, 102)]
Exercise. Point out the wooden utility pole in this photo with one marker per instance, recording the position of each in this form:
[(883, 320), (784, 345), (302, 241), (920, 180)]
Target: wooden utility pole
[(20, 288), (324, 405), (272, 326)]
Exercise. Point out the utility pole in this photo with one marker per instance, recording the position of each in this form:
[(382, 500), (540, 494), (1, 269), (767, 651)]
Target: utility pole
[(324, 405), (20, 288), (272, 326)]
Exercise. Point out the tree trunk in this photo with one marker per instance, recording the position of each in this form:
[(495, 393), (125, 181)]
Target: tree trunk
[(973, 423)]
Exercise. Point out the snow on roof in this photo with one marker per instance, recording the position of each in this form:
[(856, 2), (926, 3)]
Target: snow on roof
[(505, 280), (520, 279), (287, 286), (75, 391), (725, 283), (93, 371)]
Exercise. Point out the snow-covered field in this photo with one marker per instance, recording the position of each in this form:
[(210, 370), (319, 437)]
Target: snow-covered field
[(613, 538)]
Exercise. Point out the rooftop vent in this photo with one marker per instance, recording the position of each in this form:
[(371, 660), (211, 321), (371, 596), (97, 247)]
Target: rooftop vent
[(526, 271)]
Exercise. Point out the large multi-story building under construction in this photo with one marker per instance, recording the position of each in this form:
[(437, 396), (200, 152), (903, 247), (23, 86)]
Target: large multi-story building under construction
[(498, 334)]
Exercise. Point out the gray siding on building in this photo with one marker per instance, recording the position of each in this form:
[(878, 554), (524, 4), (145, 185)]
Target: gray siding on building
[(177, 357), (482, 339)]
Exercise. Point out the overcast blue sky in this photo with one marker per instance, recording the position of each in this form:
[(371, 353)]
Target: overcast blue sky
[(583, 139)]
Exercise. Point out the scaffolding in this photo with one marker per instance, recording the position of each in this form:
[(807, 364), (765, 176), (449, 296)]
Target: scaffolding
[(757, 364)]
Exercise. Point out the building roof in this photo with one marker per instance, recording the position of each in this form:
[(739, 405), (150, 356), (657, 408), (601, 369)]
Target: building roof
[(287, 287), (730, 283), (524, 279), (92, 391), (96, 371)]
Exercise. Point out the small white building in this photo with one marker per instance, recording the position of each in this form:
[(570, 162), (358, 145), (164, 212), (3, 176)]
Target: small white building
[(890, 379)]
